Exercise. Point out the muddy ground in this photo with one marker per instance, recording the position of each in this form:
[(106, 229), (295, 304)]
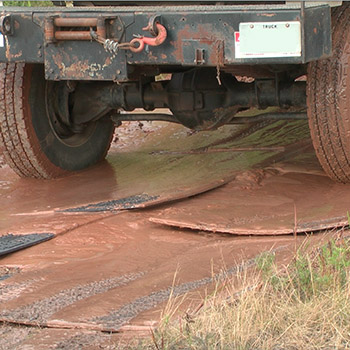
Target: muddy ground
[(168, 213)]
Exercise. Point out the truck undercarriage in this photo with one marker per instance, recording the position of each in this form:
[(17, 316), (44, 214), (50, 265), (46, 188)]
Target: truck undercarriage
[(69, 74)]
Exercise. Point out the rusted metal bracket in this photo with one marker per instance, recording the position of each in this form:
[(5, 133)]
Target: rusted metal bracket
[(54, 31), (58, 28), (203, 51)]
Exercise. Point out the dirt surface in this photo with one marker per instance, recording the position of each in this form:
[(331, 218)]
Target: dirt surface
[(110, 270)]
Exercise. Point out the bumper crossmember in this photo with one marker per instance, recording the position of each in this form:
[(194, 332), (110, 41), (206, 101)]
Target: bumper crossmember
[(69, 41)]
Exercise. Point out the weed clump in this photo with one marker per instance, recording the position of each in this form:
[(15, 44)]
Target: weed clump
[(324, 270), (305, 305)]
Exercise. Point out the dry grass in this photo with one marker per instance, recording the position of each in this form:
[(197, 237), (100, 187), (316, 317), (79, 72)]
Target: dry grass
[(303, 306)]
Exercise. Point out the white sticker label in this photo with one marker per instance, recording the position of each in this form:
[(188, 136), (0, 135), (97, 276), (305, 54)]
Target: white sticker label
[(268, 39), (237, 45), (1, 40)]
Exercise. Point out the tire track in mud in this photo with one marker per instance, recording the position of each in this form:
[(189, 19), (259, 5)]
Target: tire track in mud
[(117, 319), (127, 312), (79, 341), (12, 291), (41, 310), (37, 313)]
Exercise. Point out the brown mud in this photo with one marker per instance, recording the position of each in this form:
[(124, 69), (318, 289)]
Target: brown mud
[(285, 198), (109, 269)]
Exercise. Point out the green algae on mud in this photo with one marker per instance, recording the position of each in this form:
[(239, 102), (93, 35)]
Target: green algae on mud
[(159, 171), (278, 133)]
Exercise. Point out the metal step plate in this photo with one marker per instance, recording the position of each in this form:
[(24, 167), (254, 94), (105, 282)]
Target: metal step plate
[(12, 243)]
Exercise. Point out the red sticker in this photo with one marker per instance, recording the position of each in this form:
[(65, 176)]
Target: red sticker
[(237, 37)]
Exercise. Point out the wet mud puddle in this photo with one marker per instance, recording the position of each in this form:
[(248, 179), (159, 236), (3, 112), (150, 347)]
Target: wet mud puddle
[(108, 268)]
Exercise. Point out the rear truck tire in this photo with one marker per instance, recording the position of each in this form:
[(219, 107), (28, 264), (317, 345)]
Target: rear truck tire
[(328, 101), (34, 139)]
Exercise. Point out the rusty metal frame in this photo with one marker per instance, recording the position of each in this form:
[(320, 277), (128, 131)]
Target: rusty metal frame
[(201, 35)]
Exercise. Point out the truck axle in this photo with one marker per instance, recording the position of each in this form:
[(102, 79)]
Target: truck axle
[(196, 97)]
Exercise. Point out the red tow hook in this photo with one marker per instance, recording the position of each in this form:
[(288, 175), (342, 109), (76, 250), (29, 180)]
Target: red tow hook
[(138, 44)]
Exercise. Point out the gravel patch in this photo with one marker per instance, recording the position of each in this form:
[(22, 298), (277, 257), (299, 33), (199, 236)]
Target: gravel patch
[(2, 161), (93, 340), (11, 337), (41, 310)]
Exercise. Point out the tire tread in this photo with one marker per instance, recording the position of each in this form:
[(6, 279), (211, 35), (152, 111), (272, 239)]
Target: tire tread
[(326, 121), (14, 138)]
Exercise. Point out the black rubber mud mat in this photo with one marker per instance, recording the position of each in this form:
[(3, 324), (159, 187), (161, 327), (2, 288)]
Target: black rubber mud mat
[(12, 243), (131, 202)]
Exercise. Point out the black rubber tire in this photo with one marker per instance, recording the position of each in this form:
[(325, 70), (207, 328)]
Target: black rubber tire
[(29, 144), (328, 101)]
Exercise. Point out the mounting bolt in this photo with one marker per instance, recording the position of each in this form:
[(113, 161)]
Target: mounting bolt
[(118, 71), (287, 25), (6, 25), (252, 26)]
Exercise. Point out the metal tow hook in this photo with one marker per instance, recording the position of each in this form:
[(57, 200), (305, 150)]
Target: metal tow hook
[(138, 44)]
